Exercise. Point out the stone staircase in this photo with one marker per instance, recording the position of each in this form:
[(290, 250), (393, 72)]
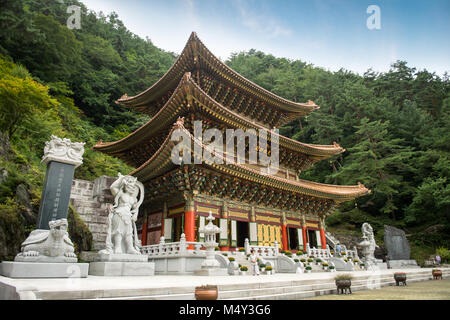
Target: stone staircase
[(91, 200), (265, 288), (242, 260)]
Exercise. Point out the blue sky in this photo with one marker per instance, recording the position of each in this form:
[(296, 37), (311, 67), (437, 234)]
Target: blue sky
[(328, 33)]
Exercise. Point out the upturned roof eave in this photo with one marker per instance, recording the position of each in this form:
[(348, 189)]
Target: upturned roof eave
[(161, 163), (187, 84), (169, 79)]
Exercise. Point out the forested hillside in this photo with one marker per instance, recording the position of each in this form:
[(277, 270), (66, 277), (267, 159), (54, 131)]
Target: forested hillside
[(54, 80), (395, 126)]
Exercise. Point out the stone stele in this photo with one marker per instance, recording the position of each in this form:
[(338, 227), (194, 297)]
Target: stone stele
[(396, 244)]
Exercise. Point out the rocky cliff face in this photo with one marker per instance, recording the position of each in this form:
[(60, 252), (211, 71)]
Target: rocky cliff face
[(350, 241)]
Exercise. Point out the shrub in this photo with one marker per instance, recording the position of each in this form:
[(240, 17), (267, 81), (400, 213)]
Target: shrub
[(231, 259), (225, 254), (269, 268), (262, 265), (310, 260), (343, 253), (216, 249), (244, 268), (296, 260), (303, 260), (331, 267), (318, 260), (241, 249), (355, 260), (299, 253), (444, 253), (345, 276), (325, 264), (308, 268)]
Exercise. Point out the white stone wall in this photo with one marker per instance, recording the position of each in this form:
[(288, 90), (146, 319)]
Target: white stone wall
[(90, 199)]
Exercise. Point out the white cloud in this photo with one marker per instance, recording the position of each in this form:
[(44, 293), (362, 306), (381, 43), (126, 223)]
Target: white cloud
[(260, 21)]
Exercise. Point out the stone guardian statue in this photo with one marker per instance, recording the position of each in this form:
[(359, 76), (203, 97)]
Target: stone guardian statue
[(122, 235)]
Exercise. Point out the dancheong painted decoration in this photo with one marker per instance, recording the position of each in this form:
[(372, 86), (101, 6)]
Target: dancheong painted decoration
[(246, 203)]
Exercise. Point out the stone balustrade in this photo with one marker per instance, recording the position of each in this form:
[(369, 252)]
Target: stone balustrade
[(352, 254), (318, 253), (262, 251), (181, 247)]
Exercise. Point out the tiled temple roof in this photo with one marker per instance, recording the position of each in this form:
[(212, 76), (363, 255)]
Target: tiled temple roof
[(196, 53), (161, 162), (187, 94)]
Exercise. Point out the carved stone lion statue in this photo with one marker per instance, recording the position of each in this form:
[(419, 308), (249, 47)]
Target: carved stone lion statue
[(52, 245)]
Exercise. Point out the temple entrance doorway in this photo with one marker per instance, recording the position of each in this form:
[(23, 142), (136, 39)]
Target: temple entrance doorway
[(293, 238), (312, 240), (177, 228), (242, 232)]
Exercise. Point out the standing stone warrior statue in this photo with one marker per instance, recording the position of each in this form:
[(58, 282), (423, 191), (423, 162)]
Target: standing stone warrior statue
[(122, 234)]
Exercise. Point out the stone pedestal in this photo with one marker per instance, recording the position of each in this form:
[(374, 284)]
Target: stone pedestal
[(14, 269), (400, 264), (112, 269), (211, 272), (112, 257), (105, 264)]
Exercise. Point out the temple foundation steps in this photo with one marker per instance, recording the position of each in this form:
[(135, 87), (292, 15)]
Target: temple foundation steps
[(263, 287)]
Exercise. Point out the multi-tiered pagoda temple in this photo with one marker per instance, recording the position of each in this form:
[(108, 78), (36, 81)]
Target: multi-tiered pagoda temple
[(246, 203)]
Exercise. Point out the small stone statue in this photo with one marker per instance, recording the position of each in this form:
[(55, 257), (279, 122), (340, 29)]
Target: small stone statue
[(368, 245), (122, 234), (51, 245)]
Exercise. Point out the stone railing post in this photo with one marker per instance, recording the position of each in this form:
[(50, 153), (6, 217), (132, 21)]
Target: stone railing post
[(247, 246), (183, 245), (162, 242)]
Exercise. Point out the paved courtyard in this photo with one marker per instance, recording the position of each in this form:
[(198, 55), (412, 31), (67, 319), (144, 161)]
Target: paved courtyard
[(424, 290)]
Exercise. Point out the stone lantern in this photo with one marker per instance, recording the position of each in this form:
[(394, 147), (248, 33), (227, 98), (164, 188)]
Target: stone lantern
[(210, 266)]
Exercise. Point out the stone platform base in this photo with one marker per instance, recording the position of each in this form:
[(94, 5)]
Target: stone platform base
[(111, 269), (400, 264), (90, 256), (14, 269), (211, 272)]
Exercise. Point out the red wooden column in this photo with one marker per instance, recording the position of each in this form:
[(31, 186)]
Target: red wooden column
[(323, 239), (224, 216), (144, 232), (189, 222), (305, 237), (284, 236)]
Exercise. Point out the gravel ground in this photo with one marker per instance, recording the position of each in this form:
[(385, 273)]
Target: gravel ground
[(423, 290)]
